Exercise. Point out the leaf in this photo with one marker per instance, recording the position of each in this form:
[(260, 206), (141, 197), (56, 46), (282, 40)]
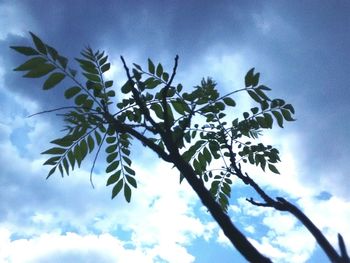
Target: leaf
[(278, 117), (129, 170), (51, 172), (273, 169), (53, 52), (31, 64), (92, 77), (178, 106), (91, 143), (254, 96), (157, 110), (117, 188), (65, 165), (52, 160), (63, 62), (71, 92), (151, 67), (98, 138), (53, 80), (80, 99), (105, 67), (127, 87), (40, 46), (83, 149), (286, 115), (65, 141), (159, 70), (131, 181), (71, 159), (127, 160), (111, 148), (114, 165), (40, 71), (127, 193), (28, 51), (137, 66), (113, 178), (248, 79), (229, 102), (109, 83), (255, 79), (111, 157), (55, 150), (165, 76)]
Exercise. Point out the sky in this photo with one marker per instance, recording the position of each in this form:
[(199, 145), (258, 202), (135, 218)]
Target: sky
[(301, 49)]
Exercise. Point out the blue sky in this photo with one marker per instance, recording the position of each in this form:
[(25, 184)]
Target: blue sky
[(301, 49)]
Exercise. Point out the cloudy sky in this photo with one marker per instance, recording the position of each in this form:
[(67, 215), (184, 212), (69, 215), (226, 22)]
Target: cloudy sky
[(301, 49)]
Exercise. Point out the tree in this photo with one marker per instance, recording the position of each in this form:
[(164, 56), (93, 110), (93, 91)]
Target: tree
[(189, 129)]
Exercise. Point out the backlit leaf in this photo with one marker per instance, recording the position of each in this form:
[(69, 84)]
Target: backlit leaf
[(71, 92), (53, 80)]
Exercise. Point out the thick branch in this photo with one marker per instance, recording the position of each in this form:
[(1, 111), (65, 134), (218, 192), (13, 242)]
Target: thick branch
[(241, 243), (283, 205)]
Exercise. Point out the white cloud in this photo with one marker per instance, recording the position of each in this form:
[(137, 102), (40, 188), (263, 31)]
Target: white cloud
[(13, 20), (160, 218)]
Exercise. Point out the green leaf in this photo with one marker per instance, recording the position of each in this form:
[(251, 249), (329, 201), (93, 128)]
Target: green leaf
[(117, 188), (65, 141), (53, 52), (127, 87), (249, 78), (111, 157), (28, 51), (55, 150), (131, 181), (129, 170), (63, 62), (114, 165), (273, 169), (40, 46), (98, 138), (255, 79), (151, 67), (91, 143), (286, 115), (51, 172), (71, 159), (278, 117), (229, 102), (31, 64), (111, 148), (109, 83), (83, 149), (80, 99), (92, 77), (40, 71), (52, 160), (65, 165), (71, 92), (159, 70), (105, 67), (127, 160), (254, 96), (157, 110), (165, 76), (103, 60), (127, 193), (113, 178), (178, 106), (53, 80)]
